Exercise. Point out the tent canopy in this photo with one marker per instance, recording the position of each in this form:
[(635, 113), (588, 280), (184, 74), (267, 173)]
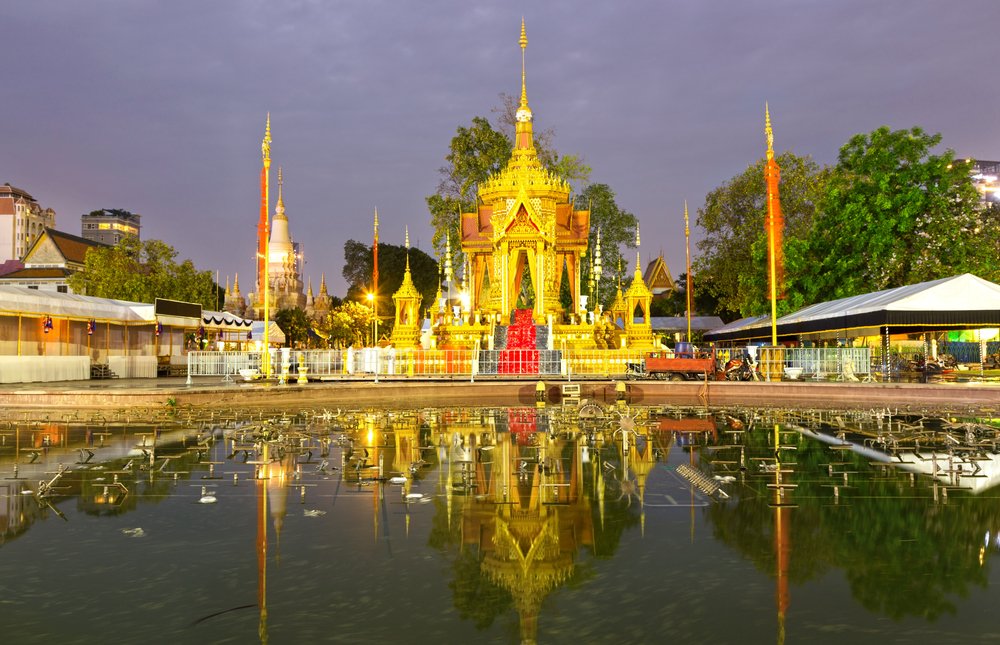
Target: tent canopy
[(35, 302), (274, 333), (224, 320), (959, 302)]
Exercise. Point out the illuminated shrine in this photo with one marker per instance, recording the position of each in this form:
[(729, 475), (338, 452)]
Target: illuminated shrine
[(523, 241)]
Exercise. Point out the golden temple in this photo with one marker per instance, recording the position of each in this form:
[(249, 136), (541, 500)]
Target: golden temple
[(526, 226)]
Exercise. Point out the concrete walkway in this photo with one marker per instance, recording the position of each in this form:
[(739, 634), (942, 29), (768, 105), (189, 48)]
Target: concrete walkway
[(212, 392)]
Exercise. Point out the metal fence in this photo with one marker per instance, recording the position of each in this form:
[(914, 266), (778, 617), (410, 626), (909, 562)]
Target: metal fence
[(842, 363), (806, 363)]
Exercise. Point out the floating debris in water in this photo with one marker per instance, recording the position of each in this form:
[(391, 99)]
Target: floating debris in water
[(207, 496), (398, 480), (137, 532), (313, 512)]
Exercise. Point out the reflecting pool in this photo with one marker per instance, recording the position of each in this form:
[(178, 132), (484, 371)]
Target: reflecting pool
[(588, 523)]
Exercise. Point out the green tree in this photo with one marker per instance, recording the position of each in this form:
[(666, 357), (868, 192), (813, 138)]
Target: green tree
[(474, 154), (141, 271), (617, 227), (348, 324), (391, 268), (732, 219), (895, 214), (295, 324)]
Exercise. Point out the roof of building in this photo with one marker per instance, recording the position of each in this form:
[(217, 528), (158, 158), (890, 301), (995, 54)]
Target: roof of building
[(70, 305), (8, 191), (657, 276), (48, 272), (959, 302), (73, 248)]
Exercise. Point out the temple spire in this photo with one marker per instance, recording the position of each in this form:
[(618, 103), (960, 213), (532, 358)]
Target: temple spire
[(322, 284), (638, 268), (406, 242), (523, 41), (524, 145)]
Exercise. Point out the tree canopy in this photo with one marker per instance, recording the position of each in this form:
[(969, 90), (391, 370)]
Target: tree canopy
[(894, 214), (295, 324), (617, 227), (141, 271), (358, 266), (732, 219)]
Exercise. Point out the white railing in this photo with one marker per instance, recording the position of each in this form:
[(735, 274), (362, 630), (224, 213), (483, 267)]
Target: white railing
[(329, 364)]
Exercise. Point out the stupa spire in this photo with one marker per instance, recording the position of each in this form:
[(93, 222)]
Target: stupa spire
[(322, 284), (279, 209)]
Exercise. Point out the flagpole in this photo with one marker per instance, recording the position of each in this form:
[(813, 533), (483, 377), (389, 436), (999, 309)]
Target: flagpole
[(687, 288), (266, 150)]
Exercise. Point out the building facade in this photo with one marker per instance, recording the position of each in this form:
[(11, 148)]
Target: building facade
[(49, 262), (109, 225), (22, 220)]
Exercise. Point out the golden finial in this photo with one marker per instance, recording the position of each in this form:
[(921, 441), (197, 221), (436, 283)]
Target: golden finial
[(376, 220), (322, 283), (524, 45), (637, 234), (265, 145), (687, 231), (768, 132), (280, 183), (406, 240), (236, 284)]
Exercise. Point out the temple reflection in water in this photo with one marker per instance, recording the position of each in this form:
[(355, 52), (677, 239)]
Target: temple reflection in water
[(527, 524)]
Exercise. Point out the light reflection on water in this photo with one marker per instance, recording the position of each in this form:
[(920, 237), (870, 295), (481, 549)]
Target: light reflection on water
[(592, 524)]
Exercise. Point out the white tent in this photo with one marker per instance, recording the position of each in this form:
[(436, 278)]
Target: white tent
[(959, 302), (274, 334)]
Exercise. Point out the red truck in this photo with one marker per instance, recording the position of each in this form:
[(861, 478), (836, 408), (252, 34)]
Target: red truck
[(668, 365)]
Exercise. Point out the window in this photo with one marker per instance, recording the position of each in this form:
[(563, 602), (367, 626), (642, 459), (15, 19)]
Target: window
[(33, 286), (62, 288)]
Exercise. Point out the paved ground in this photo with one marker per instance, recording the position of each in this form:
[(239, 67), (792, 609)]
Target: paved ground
[(969, 396)]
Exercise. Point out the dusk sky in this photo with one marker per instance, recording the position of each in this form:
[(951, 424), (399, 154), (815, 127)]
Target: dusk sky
[(159, 107)]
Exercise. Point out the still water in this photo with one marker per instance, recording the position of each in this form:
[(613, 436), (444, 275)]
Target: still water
[(590, 524)]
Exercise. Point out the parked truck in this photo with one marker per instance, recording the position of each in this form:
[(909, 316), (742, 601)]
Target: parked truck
[(675, 366)]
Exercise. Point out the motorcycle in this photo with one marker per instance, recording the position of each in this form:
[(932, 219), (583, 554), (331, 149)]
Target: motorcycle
[(739, 369)]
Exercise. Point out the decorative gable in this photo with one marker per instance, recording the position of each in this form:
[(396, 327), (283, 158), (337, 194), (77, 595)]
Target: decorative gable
[(44, 253)]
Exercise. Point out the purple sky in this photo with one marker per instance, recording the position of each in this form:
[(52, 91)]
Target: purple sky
[(159, 107)]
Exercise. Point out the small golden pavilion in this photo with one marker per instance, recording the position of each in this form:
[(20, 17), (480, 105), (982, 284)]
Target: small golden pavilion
[(526, 225)]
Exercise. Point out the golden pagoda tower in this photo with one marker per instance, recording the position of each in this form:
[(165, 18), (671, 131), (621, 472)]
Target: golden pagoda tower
[(638, 296), (524, 224), (406, 330)]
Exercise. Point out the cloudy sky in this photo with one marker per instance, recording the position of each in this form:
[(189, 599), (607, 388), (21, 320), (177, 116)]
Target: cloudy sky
[(158, 107)]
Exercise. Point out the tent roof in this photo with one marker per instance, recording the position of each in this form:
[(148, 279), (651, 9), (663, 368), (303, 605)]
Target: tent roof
[(32, 302), (274, 333), (224, 320), (962, 301)]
